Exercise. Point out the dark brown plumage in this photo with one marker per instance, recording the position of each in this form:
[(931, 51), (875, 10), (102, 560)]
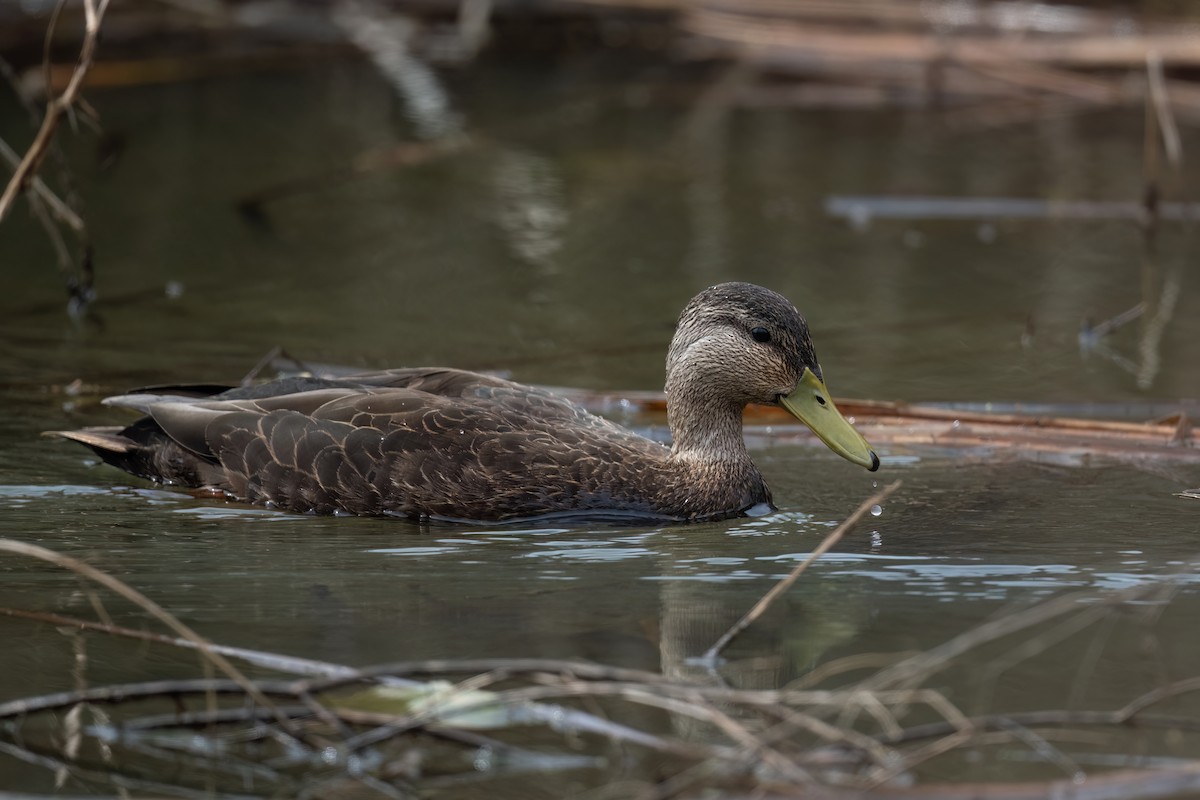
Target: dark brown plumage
[(449, 444)]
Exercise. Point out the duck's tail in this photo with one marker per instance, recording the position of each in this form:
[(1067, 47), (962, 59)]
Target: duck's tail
[(103, 440), (142, 449)]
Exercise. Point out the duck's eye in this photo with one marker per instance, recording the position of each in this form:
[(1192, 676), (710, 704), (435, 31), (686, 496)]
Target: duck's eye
[(761, 335)]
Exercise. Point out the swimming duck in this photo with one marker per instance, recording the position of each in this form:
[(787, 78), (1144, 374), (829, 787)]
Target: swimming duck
[(457, 445)]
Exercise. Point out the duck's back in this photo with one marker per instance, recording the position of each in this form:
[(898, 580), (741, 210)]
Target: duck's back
[(415, 442)]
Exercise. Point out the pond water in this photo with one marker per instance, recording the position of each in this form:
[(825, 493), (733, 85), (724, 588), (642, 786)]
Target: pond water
[(558, 247)]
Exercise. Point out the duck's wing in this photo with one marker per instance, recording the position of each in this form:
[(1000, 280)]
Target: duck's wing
[(472, 388), (474, 447), (433, 380)]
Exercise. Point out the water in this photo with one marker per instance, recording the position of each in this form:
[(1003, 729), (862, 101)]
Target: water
[(560, 249)]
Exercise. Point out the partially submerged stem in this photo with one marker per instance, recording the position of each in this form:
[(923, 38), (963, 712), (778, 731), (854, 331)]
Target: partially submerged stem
[(711, 655)]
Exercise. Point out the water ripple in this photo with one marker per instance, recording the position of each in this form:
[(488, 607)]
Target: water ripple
[(415, 552), (24, 494), (593, 553)]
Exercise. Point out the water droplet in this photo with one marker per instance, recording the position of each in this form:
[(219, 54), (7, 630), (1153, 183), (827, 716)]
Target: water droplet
[(874, 484), (329, 755), (876, 510), (483, 759), (955, 424), (876, 539)]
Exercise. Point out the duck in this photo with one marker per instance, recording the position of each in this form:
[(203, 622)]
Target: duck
[(449, 444)]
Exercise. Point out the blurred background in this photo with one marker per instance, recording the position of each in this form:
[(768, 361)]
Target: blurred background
[(982, 204), (970, 200)]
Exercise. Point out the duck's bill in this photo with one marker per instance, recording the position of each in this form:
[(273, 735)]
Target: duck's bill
[(810, 403)]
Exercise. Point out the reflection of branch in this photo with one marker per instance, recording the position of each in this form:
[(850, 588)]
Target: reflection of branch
[(57, 107), (384, 36), (532, 211), (1161, 133), (919, 668), (1153, 331), (1091, 337)]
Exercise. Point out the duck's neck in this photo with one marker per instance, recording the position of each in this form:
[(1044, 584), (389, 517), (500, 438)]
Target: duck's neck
[(704, 430)]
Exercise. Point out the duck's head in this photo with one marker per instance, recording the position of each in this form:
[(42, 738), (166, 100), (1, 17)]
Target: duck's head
[(737, 343)]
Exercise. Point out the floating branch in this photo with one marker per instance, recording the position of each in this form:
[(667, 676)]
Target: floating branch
[(1040, 435), (860, 209)]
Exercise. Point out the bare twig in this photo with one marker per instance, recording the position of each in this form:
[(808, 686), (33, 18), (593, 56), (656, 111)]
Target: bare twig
[(829, 669), (1052, 718), (1158, 695), (57, 107), (499, 667), (61, 211), (833, 538), (390, 725), (1044, 750), (140, 786), (121, 693), (1172, 781)]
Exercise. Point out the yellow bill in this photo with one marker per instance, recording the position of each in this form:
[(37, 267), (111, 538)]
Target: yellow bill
[(810, 403)]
